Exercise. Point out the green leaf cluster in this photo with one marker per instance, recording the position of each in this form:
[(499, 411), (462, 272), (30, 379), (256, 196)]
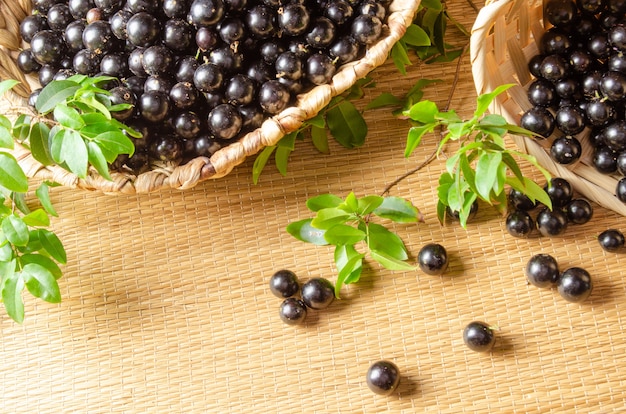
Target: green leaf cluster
[(482, 166), (426, 37), (30, 254), (340, 118), (345, 224), (73, 126)]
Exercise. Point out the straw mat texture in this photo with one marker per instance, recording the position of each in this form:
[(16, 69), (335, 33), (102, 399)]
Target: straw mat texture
[(166, 306)]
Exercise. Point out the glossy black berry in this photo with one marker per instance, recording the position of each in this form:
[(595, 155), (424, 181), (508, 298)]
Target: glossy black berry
[(604, 160), (433, 259), (31, 25), (611, 240), (47, 47), (519, 223), (225, 121), (294, 19), (59, 17), (26, 62), (614, 135), (205, 12), (560, 12), (579, 211), (292, 311), (520, 201), (542, 270), (554, 67), (273, 96), (479, 337), (317, 293), (284, 284), (560, 192), (383, 377), (319, 69), (538, 120), (143, 29), (153, 106), (366, 29), (621, 163), (157, 60), (599, 112), (613, 86), (551, 223), (569, 119), (620, 190), (98, 37), (261, 22), (541, 93), (208, 77), (566, 149), (574, 284)]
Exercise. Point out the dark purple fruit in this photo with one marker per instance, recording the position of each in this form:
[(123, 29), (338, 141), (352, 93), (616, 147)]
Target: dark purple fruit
[(166, 148), (479, 337), (273, 97), (538, 120), (579, 211), (187, 124), (541, 93), (205, 12), (551, 223), (47, 47), (611, 240), (153, 106), (31, 25), (519, 223), (26, 62), (122, 95), (292, 311), (366, 29), (560, 192), (614, 136), (294, 19), (542, 270), (520, 201), (143, 29), (284, 284), (383, 377), (620, 190), (605, 160), (569, 119), (574, 284), (157, 60), (554, 67), (317, 293), (566, 149), (98, 37), (320, 69), (261, 22), (321, 33), (59, 17), (225, 121), (208, 77), (433, 259)]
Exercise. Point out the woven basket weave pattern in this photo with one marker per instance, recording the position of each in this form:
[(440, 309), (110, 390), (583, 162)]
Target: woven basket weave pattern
[(504, 38), (221, 163)]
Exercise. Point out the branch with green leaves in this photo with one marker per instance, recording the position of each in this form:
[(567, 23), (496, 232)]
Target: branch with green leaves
[(71, 126), (482, 166), (346, 224)]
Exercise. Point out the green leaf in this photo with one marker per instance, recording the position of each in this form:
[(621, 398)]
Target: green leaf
[(323, 201), (15, 230), (39, 140), (260, 161), (98, 160), (6, 85), (12, 176), (6, 139), (12, 286), (317, 121), (43, 194), (43, 261), (414, 137), (303, 231), (382, 100), (52, 245), (531, 189), (487, 173), (37, 218), (468, 172), (424, 112), (484, 100), (349, 264), (68, 117), (329, 217), (389, 262), (19, 199), (6, 253), (368, 204), (416, 36), (342, 234), (55, 93), (383, 240), (346, 124), (398, 209), (21, 127), (73, 152), (116, 142), (350, 204), (281, 159), (41, 283), (320, 139), (432, 4), (400, 57)]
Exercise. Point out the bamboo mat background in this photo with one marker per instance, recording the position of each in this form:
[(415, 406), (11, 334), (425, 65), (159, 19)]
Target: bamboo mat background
[(166, 306)]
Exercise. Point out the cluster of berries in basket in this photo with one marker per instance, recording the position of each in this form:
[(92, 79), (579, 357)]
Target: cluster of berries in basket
[(578, 96), (199, 74)]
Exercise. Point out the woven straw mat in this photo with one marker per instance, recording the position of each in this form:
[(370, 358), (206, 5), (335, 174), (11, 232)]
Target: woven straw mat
[(166, 306)]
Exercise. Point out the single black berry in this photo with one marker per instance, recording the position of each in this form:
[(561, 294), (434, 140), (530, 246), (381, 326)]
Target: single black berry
[(383, 377), (284, 284), (292, 311), (479, 337), (317, 293), (574, 284), (611, 240), (542, 270), (433, 259)]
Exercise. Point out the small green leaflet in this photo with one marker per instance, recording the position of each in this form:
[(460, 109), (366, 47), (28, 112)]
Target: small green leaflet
[(43, 194), (41, 283), (398, 209), (342, 234), (12, 285), (303, 231), (323, 201), (320, 139), (52, 245), (15, 230), (349, 265), (39, 143), (37, 218), (55, 93), (12, 177), (7, 85), (346, 124), (68, 117)]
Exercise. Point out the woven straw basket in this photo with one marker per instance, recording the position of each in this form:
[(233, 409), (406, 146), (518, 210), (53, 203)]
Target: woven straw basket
[(504, 39), (401, 14)]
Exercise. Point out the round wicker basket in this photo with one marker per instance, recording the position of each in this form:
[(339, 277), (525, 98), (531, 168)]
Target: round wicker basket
[(401, 14), (504, 39)]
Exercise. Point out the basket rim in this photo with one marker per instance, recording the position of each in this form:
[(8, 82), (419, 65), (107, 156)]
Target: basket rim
[(222, 162)]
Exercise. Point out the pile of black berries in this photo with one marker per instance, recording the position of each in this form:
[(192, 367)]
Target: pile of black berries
[(579, 88), (199, 73)]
